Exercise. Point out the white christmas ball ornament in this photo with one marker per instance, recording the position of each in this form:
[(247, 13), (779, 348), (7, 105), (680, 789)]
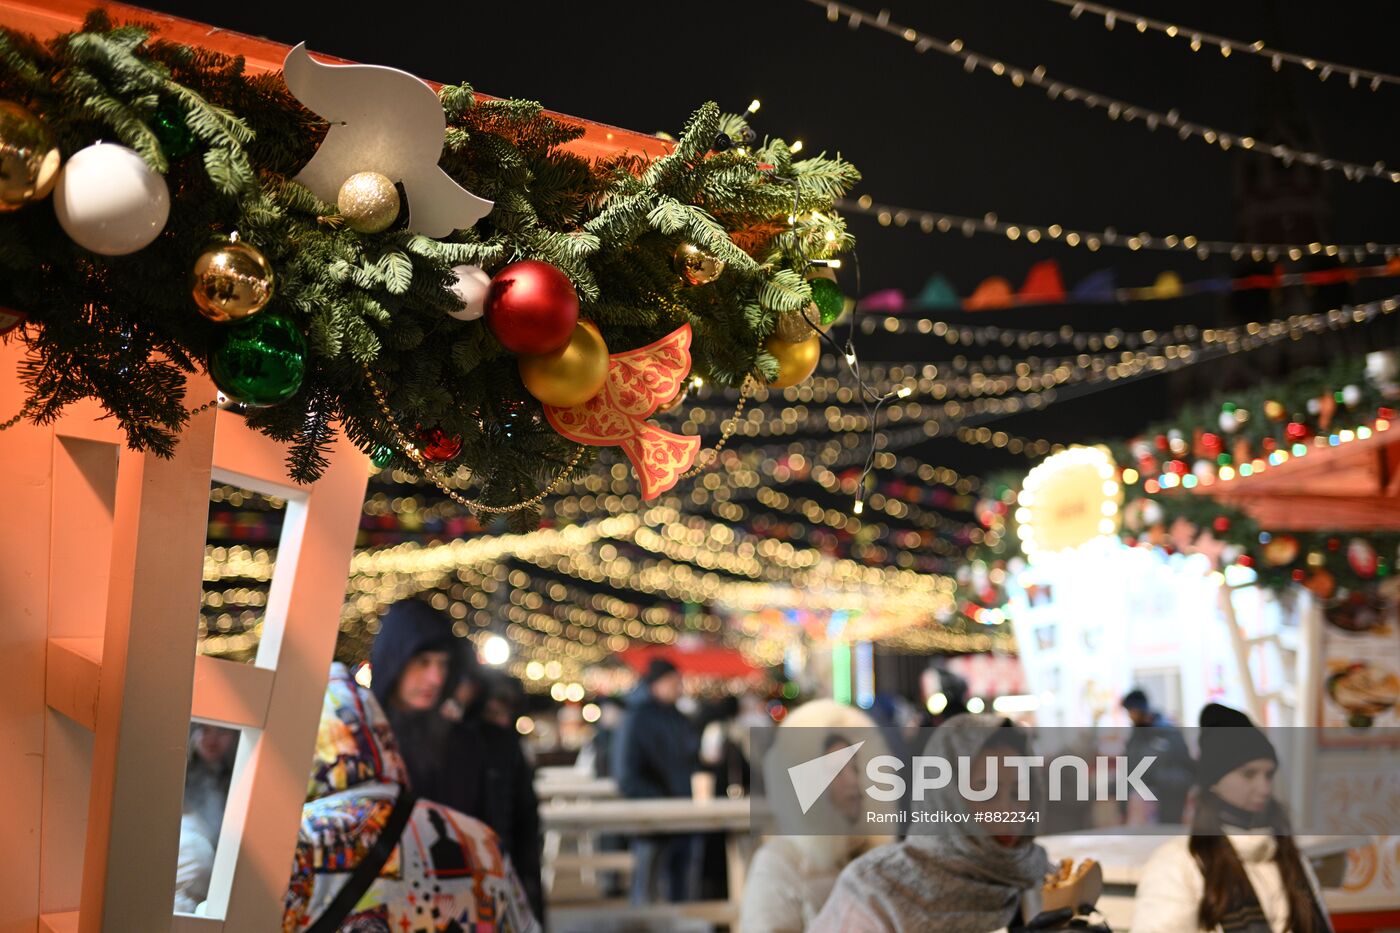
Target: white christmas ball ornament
[(470, 288), (1228, 422), (1351, 396), (110, 201)]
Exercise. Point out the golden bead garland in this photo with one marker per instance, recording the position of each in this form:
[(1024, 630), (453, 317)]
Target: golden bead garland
[(437, 479), (725, 433), (19, 416)]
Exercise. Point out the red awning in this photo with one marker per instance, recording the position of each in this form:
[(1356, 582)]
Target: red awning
[(709, 661)]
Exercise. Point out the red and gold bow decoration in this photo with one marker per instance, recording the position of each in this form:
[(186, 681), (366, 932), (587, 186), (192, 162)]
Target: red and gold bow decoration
[(639, 381)]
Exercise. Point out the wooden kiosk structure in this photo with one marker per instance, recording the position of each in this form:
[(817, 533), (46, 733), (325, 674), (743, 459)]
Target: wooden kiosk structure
[(100, 574)]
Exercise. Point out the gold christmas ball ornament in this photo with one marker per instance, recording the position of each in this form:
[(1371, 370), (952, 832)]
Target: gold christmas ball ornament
[(1281, 550), (369, 202), (231, 281), (29, 160), (794, 327), (571, 375), (796, 361), (695, 266)]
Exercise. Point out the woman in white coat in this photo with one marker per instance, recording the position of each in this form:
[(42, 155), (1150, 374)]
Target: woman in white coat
[(791, 876), (1239, 870)]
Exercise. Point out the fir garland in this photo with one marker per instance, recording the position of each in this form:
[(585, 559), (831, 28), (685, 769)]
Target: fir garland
[(123, 330), (1268, 420), (1238, 431)]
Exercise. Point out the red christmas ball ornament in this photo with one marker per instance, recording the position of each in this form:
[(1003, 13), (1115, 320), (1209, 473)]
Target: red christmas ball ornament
[(1362, 557), (1296, 431), (1163, 444), (1212, 444), (1386, 413), (531, 307), (1245, 561), (1334, 543), (436, 445), (1298, 576), (1221, 524)]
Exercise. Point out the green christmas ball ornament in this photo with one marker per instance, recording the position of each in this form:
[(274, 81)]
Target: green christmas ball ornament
[(382, 457), (259, 362), (826, 295), (173, 132)]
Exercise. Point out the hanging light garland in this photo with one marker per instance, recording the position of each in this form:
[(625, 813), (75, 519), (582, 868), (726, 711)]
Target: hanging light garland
[(1355, 77), (1094, 240), (1091, 372), (1112, 107), (985, 334), (1030, 447)]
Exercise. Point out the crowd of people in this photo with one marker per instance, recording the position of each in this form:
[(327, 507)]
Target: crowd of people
[(429, 753)]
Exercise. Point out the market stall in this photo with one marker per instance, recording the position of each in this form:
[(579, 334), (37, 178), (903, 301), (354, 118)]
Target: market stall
[(1250, 567)]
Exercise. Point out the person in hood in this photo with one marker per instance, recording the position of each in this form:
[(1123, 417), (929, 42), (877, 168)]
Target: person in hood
[(947, 878), (1239, 870), (447, 871), (655, 754), (468, 764), (1173, 773), (791, 875)]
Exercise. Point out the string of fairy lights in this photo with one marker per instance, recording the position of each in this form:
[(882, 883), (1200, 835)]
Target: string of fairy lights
[(929, 221), (1112, 107), (685, 560), (669, 553), (1182, 346), (1198, 39), (689, 553)]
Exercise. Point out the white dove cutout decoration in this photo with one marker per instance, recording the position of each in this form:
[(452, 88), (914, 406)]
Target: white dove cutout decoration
[(387, 121)]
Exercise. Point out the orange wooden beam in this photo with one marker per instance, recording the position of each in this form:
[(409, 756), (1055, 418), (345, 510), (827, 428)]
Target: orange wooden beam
[(48, 18), (1350, 486)]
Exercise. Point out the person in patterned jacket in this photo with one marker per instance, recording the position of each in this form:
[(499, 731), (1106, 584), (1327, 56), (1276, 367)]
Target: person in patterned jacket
[(446, 875)]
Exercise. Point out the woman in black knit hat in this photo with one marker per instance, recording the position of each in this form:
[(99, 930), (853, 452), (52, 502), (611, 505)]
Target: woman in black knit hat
[(1239, 870)]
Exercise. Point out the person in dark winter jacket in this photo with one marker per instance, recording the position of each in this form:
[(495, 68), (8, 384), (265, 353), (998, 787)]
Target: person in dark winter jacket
[(469, 765), (655, 754), (1173, 773)]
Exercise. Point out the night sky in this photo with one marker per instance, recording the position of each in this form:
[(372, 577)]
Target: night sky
[(927, 135)]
